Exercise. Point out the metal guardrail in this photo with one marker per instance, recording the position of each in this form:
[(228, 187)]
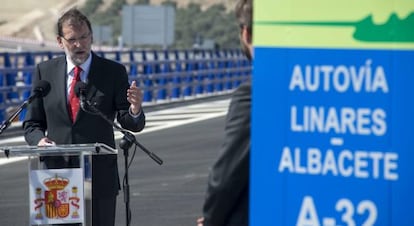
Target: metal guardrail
[(163, 75)]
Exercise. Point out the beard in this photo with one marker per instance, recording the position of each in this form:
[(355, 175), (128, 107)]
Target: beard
[(77, 58)]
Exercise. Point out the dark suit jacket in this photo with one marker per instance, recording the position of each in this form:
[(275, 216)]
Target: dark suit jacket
[(226, 201), (107, 86)]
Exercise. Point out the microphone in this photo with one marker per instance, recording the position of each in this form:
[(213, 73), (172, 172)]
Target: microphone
[(41, 89), (88, 107), (80, 90)]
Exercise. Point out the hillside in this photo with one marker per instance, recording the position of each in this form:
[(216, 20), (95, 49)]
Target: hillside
[(36, 20)]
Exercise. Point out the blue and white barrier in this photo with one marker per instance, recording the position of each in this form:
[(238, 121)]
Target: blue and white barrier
[(163, 75)]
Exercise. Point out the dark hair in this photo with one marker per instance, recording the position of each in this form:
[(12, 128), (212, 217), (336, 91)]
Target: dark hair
[(244, 13), (72, 16)]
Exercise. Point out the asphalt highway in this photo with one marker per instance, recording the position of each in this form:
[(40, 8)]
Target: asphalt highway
[(170, 194)]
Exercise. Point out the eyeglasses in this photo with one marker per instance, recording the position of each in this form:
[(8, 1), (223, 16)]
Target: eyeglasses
[(80, 39)]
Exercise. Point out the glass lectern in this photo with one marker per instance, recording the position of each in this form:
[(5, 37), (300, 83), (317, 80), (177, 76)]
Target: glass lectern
[(60, 194)]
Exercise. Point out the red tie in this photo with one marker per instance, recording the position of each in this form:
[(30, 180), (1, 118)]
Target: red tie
[(73, 99)]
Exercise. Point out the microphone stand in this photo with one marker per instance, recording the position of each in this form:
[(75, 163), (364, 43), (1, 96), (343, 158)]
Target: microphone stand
[(41, 89), (12, 117), (125, 143), (128, 138)]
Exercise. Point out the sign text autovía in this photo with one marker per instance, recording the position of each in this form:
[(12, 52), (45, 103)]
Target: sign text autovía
[(337, 120)]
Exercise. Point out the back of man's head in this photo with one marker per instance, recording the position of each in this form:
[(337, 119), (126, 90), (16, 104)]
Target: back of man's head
[(244, 13)]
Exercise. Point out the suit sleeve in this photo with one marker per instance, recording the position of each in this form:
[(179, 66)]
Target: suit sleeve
[(228, 179), (34, 124)]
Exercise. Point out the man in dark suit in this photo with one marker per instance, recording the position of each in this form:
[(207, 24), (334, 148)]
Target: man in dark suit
[(227, 198), (50, 120)]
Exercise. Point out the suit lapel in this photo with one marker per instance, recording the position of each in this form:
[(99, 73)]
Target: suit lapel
[(59, 82), (94, 71)]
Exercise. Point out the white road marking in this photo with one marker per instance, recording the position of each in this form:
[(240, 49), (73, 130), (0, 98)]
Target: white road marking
[(167, 118)]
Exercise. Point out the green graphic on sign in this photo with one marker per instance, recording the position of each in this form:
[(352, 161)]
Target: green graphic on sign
[(394, 30)]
